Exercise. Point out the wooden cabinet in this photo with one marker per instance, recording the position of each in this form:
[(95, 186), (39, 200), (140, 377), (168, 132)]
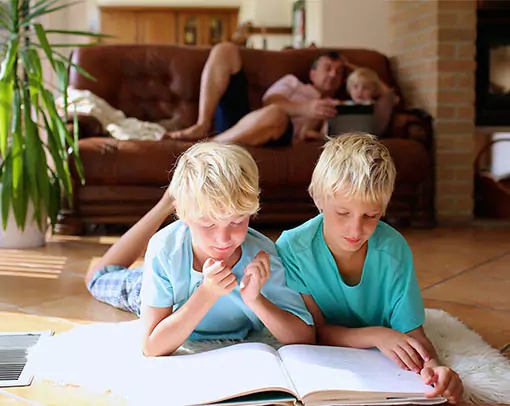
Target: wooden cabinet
[(155, 28), (167, 25), (122, 27)]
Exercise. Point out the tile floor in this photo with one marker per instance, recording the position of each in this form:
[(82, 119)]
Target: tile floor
[(465, 271)]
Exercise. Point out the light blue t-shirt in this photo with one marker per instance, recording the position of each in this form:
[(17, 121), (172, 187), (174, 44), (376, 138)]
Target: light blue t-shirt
[(387, 295), (169, 280)]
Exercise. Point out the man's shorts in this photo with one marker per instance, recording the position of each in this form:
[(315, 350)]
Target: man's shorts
[(118, 286), (235, 104)]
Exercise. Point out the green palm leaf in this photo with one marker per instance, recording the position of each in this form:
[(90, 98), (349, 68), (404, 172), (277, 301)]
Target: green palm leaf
[(31, 129)]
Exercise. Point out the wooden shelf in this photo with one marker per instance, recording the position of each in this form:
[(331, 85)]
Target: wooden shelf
[(271, 30)]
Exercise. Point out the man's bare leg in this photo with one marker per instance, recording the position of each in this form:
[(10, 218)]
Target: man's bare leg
[(257, 128), (133, 243), (223, 62)]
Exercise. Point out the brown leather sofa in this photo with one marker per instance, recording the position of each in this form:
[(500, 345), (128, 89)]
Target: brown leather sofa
[(158, 83)]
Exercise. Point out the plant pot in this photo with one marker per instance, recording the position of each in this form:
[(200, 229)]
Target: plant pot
[(13, 237)]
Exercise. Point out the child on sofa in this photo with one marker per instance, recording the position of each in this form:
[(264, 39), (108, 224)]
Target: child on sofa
[(207, 275), (356, 273)]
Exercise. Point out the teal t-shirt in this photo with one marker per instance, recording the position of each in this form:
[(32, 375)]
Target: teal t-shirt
[(387, 295), (169, 280)]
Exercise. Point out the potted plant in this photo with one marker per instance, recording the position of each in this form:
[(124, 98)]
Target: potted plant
[(35, 145)]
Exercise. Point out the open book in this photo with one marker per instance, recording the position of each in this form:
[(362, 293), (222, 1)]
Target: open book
[(256, 374)]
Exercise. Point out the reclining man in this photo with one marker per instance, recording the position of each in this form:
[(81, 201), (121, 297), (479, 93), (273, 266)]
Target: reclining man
[(288, 103)]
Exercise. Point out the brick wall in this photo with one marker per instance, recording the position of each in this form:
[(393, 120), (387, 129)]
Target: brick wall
[(433, 50)]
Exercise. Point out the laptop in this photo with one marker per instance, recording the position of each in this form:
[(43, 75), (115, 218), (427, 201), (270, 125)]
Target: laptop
[(352, 118), (14, 369)]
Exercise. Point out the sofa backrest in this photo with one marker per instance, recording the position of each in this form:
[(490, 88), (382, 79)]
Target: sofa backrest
[(162, 82)]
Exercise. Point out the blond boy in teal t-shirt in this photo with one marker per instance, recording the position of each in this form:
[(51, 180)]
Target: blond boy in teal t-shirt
[(356, 273)]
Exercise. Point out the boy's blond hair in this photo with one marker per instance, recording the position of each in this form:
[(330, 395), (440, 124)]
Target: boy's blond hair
[(354, 164), (364, 75), (215, 181)]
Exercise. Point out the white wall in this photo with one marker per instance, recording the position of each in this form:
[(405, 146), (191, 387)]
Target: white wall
[(173, 3), (268, 13), (348, 23)]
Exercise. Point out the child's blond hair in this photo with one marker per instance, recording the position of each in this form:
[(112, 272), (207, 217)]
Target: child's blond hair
[(357, 165), (365, 75), (215, 181)]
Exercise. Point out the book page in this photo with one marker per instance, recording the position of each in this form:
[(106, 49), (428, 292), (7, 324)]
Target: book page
[(319, 368), (210, 376)]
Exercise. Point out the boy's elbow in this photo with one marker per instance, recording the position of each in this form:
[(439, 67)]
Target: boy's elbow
[(306, 336), (151, 350), (311, 336)]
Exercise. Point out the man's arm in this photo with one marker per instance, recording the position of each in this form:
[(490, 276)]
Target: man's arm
[(319, 109), (290, 107)]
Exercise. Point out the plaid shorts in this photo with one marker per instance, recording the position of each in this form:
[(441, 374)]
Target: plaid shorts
[(118, 286)]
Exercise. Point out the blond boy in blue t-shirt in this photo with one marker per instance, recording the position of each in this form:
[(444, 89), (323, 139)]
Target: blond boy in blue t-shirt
[(207, 275), (356, 273)]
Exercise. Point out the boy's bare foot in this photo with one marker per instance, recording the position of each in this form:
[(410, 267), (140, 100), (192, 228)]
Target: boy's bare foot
[(193, 133)]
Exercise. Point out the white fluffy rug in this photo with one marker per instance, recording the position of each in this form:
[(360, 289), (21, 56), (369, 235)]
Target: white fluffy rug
[(103, 356)]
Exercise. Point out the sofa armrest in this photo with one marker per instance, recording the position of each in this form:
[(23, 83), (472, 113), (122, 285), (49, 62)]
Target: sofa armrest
[(88, 126), (415, 124)]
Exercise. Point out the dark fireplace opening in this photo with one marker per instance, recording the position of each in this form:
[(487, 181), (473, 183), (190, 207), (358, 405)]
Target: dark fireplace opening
[(493, 64)]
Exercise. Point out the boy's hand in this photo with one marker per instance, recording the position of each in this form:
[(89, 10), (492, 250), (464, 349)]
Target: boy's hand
[(407, 352), (446, 383), (255, 276), (218, 278)]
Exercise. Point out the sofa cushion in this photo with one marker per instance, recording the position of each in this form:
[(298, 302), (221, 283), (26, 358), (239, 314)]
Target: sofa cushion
[(283, 171)]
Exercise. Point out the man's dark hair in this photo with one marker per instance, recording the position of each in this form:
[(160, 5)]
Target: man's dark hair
[(333, 55)]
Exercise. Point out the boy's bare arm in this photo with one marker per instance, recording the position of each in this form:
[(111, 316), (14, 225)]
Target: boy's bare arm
[(285, 326), (407, 352), (165, 331), (403, 350), (446, 381)]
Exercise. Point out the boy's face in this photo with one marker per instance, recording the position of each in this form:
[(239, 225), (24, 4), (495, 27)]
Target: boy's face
[(348, 222), (362, 92), (218, 239)]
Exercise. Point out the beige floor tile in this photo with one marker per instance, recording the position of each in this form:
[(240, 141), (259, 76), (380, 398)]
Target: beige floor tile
[(473, 288), (76, 249), (498, 269), (47, 393), (443, 253), (16, 320), (492, 325), (24, 286), (81, 308), (6, 400), (78, 267)]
